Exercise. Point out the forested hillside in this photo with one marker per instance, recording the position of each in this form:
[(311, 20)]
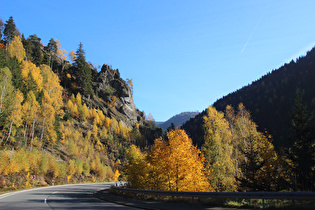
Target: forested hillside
[(269, 99), (62, 120), (68, 121)]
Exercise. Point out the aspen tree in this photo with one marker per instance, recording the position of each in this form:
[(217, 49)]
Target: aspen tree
[(137, 169), (30, 109), (51, 102), (73, 56), (176, 164), (6, 97), (31, 76), (217, 150), (16, 49), (6, 90), (16, 113)]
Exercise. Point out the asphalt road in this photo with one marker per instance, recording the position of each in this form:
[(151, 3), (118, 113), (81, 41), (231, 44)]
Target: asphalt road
[(79, 196)]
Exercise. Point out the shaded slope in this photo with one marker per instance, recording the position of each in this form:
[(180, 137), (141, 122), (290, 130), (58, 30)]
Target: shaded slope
[(269, 99)]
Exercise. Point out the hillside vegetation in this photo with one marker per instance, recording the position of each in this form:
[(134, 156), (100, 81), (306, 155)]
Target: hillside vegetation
[(67, 122), (62, 120), (269, 99)]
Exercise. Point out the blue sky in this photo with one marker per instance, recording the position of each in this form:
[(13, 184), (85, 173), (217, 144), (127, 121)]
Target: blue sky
[(182, 55)]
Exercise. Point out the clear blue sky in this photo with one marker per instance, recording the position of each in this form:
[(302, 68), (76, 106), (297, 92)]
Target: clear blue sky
[(182, 55)]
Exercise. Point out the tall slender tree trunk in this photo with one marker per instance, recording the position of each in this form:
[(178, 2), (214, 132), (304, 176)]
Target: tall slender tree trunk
[(43, 130), (25, 138), (3, 93), (33, 131), (9, 132)]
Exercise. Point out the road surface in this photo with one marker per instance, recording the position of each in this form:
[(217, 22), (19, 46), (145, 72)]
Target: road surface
[(79, 196)]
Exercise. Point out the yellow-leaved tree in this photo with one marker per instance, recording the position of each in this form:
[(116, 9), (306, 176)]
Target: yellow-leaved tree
[(257, 156), (61, 53), (51, 103), (137, 168), (16, 49), (218, 151), (30, 112), (6, 97), (15, 116), (31, 76), (174, 165)]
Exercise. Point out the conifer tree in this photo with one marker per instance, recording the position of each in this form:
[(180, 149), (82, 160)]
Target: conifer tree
[(83, 71), (10, 30), (257, 156), (36, 53), (1, 27), (52, 47), (302, 151)]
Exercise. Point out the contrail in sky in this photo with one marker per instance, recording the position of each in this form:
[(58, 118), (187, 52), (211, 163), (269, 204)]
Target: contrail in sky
[(251, 35)]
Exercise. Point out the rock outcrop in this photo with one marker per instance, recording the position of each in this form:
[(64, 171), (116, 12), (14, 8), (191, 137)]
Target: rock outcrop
[(117, 97)]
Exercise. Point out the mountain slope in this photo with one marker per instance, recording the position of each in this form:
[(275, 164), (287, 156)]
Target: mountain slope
[(178, 120), (63, 121), (269, 99)]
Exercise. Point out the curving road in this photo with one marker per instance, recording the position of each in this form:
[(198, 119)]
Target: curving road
[(79, 196)]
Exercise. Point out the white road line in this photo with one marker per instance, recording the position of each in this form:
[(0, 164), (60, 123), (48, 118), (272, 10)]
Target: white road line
[(45, 201), (39, 188)]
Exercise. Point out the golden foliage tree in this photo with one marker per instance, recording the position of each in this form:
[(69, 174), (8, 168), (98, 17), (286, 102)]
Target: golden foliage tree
[(30, 112), (174, 165), (72, 56), (218, 151), (31, 76), (137, 169), (15, 117), (257, 156), (51, 102), (16, 49), (6, 98)]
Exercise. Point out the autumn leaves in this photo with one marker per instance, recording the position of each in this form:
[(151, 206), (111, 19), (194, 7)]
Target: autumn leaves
[(174, 164), (235, 156)]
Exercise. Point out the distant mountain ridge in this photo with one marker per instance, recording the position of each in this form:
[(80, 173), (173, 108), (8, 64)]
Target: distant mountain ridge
[(269, 100), (178, 120)]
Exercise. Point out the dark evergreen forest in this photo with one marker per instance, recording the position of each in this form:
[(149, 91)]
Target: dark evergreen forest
[(269, 100)]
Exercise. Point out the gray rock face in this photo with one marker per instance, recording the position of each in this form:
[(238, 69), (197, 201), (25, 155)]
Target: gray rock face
[(117, 93)]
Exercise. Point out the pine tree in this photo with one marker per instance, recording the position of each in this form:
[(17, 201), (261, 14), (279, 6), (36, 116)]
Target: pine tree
[(257, 156), (52, 48), (302, 151), (36, 52), (10, 30), (83, 71), (1, 27)]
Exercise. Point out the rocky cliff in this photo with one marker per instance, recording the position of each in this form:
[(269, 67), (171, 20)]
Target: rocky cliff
[(115, 97)]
